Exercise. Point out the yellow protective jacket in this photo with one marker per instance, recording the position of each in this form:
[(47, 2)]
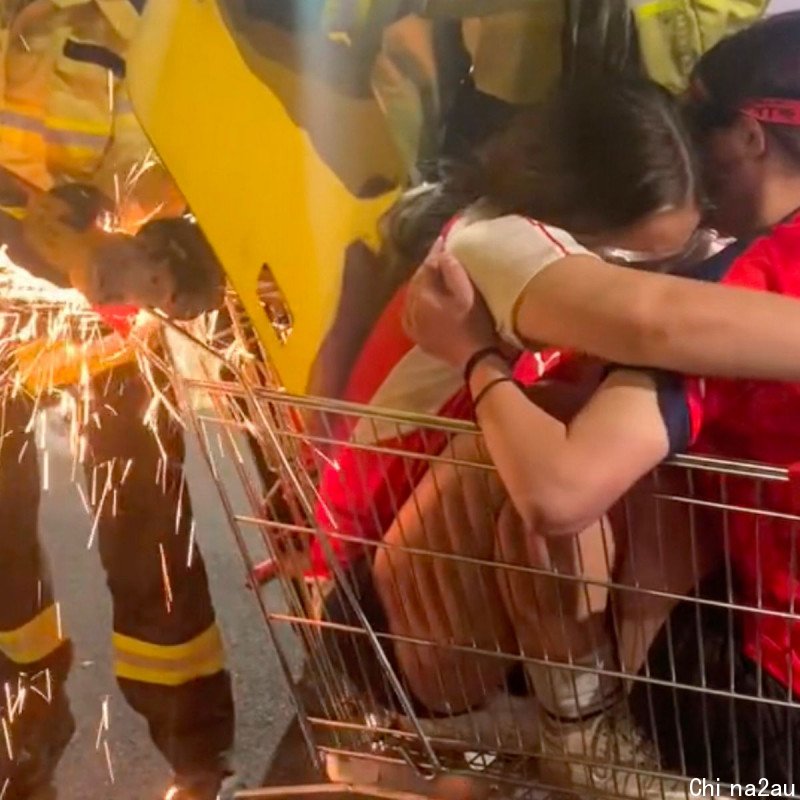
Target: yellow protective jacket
[(518, 55), (64, 109), (673, 34), (65, 116)]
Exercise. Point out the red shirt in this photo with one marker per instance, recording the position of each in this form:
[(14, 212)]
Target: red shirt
[(755, 421), (373, 474), (362, 490)]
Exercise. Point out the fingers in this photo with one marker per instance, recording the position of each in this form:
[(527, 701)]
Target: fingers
[(456, 280), (423, 291), (432, 259), (440, 280)]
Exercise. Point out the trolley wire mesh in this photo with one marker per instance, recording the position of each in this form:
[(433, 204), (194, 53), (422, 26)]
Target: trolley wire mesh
[(662, 547)]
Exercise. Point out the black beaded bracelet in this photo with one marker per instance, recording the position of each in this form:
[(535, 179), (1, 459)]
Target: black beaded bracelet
[(476, 359), (486, 389)]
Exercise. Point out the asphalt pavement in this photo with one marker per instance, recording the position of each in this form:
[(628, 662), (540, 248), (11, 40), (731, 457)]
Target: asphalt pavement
[(129, 768)]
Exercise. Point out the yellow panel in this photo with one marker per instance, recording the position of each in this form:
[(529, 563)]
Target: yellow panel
[(270, 161)]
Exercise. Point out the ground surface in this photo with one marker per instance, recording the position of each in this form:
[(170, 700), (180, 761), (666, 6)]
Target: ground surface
[(263, 701)]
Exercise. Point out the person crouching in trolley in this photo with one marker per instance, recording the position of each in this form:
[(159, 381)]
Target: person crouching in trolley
[(68, 141), (740, 651)]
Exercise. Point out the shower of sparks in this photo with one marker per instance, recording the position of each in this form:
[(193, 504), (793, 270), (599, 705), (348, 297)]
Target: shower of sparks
[(102, 737), (100, 506), (7, 737), (102, 728), (87, 508), (49, 337), (127, 216), (179, 506), (166, 578), (192, 545), (47, 693), (15, 707), (52, 343), (9, 699), (42, 421), (93, 487), (110, 766), (126, 471)]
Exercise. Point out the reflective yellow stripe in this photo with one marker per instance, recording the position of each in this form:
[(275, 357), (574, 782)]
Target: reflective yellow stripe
[(168, 677), (35, 640), (76, 125), (169, 665), (74, 156), (30, 132), (32, 122)]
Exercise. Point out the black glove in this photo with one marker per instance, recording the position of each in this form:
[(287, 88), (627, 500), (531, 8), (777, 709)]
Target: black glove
[(84, 204), (191, 269), (123, 271)]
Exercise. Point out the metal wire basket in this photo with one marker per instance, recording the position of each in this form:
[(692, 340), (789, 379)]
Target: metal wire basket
[(356, 710)]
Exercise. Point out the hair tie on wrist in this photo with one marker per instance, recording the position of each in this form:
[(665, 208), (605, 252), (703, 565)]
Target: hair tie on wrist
[(476, 359), (486, 389)]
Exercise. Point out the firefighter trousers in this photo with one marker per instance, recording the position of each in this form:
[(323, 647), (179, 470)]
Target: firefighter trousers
[(167, 649)]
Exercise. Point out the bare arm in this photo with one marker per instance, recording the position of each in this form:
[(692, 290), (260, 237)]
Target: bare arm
[(625, 315), (646, 319), (561, 478)]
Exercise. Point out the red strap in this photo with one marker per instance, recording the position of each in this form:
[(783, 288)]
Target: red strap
[(120, 318), (448, 226), (531, 367), (775, 110)]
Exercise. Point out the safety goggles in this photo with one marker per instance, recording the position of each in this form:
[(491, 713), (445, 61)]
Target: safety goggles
[(703, 243)]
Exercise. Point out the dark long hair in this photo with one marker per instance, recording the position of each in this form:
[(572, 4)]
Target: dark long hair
[(762, 61), (597, 156)]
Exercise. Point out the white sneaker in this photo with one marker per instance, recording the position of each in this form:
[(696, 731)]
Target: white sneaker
[(505, 721), (608, 755)]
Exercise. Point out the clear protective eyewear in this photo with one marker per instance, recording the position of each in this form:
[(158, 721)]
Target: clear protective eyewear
[(703, 243)]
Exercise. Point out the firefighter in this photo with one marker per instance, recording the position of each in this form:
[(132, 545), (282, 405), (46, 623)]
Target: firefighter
[(516, 50), (71, 151)]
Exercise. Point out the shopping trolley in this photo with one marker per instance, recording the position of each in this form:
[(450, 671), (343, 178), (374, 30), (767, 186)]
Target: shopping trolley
[(287, 199), (394, 749)]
